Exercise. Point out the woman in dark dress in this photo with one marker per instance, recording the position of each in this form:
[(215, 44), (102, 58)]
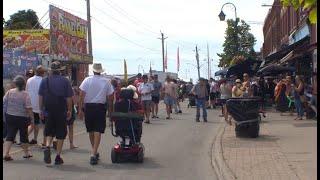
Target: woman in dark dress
[(281, 99)]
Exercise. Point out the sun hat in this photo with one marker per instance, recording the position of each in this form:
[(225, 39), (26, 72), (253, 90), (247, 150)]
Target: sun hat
[(56, 66), (135, 96), (238, 81), (97, 67)]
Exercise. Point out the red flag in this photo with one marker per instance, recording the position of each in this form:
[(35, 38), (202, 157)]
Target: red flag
[(166, 59), (178, 60)]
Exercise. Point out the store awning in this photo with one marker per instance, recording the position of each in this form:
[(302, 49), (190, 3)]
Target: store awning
[(274, 69), (249, 66), (286, 58), (283, 52), (222, 72)]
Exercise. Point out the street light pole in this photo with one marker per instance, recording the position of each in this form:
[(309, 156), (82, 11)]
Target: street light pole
[(89, 28), (222, 18), (197, 58)]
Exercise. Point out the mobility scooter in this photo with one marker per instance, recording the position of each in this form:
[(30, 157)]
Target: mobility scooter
[(127, 124)]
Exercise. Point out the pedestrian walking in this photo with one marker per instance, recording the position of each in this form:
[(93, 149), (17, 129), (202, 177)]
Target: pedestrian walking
[(201, 93), (246, 85), (32, 87), (169, 91), (299, 97), (55, 102), (18, 109), (236, 90), (213, 92), (155, 96), (70, 123), (176, 105), (94, 92), (145, 89), (226, 93)]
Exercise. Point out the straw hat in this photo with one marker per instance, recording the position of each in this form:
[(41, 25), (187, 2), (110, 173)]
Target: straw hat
[(97, 67), (56, 66), (238, 81), (135, 96)]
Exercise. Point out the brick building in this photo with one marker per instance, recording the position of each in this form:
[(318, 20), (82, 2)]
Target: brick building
[(290, 40)]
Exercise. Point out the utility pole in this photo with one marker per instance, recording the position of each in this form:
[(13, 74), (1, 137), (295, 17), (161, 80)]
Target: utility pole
[(197, 58), (89, 27), (209, 68), (162, 41)]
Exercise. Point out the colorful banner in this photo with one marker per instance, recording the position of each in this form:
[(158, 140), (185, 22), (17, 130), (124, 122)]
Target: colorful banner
[(30, 41), (17, 62), (68, 34)]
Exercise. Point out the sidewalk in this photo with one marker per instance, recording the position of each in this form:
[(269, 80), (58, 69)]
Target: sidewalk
[(285, 149)]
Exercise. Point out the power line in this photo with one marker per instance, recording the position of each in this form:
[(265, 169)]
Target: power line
[(150, 49), (40, 20), (125, 14), (136, 21), (118, 21)]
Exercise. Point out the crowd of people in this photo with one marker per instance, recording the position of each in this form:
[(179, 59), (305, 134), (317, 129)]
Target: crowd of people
[(47, 98)]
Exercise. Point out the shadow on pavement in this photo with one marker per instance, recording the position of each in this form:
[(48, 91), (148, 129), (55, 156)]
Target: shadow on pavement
[(264, 138), (72, 168), (77, 150), (147, 164)]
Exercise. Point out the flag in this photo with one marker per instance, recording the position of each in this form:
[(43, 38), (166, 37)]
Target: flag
[(125, 73), (178, 60), (150, 71), (166, 59)]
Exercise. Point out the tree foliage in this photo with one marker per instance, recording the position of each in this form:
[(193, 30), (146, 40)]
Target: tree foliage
[(310, 6), (238, 42), (23, 20)]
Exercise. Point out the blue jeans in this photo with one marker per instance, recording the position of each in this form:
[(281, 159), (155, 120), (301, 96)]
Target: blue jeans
[(201, 102), (298, 105)]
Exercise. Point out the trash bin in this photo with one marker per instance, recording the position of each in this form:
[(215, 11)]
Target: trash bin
[(245, 111)]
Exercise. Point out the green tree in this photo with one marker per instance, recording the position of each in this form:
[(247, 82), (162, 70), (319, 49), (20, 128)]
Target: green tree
[(23, 20), (238, 42), (310, 6)]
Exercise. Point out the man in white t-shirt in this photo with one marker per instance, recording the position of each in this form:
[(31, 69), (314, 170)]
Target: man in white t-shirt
[(32, 87), (145, 89), (95, 91)]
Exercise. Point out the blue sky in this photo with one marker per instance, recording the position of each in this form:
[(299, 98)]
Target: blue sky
[(129, 29)]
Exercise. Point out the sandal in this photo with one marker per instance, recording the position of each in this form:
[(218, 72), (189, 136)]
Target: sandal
[(7, 158), (27, 156), (147, 122)]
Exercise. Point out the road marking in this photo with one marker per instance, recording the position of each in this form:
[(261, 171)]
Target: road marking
[(21, 150)]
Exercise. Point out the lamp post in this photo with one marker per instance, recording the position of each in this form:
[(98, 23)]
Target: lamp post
[(222, 17)]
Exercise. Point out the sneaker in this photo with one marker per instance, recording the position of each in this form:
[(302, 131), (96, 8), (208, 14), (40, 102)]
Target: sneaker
[(58, 160), (197, 120), (47, 155), (93, 160), (33, 142), (180, 111), (98, 156), (205, 120)]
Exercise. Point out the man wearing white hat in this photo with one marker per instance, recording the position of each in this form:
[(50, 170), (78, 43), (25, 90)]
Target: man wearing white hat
[(95, 91)]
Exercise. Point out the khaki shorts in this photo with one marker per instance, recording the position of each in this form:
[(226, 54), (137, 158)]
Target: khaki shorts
[(146, 103)]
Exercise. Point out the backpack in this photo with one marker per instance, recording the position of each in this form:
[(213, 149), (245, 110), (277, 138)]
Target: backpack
[(53, 102)]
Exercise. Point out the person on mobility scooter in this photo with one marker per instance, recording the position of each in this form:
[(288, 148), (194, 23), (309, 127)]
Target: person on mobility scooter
[(127, 119)]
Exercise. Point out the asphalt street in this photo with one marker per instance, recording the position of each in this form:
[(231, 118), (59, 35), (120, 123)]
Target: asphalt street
[(174, 149)]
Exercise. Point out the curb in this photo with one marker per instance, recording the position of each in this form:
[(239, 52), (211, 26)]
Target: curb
[(217, 160)]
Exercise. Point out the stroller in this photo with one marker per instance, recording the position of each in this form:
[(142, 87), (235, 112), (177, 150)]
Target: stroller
[(192, 100), (128, 125), (246, 113)]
